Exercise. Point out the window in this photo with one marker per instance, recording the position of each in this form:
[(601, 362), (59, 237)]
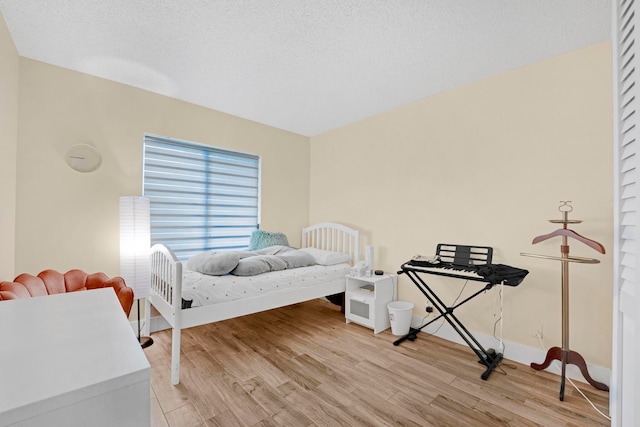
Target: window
[(202, 198)]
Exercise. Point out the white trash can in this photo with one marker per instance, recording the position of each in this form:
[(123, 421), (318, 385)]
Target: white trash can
[(400, 313)]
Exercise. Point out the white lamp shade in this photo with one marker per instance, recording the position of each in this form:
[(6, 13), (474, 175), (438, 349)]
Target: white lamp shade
[(135, 242), (368, 257)]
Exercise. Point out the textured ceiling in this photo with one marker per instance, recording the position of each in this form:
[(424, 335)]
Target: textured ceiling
[(306, 66)]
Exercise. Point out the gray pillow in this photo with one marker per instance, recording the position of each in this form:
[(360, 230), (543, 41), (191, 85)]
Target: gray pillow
[(294, 258), (259, 264), (215, 263)]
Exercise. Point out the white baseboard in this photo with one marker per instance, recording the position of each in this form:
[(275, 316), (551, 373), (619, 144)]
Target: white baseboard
[(514, 351), (158, 323)]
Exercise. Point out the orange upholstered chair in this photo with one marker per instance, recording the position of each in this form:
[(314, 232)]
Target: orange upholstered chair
[(50, 282)]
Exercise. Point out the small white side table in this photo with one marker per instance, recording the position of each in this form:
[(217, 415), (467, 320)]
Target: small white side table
[(366, 299)]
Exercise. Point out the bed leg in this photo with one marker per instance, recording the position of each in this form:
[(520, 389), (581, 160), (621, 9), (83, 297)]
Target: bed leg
[(175, 356)]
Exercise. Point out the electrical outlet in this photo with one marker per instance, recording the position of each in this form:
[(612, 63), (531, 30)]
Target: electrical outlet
[(537, 331), (429, 309)]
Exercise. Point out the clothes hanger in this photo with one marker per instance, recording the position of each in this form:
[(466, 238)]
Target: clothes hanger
[(565, 208), (570, 233)]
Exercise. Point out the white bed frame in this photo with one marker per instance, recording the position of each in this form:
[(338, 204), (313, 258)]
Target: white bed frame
[(166, 287)]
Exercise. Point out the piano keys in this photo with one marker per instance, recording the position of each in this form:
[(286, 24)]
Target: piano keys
[(446, 269)]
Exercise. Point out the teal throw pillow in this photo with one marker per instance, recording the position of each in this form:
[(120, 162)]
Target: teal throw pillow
[(261, 239)]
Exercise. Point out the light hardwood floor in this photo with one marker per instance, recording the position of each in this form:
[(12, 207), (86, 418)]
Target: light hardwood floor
[(302, 365)]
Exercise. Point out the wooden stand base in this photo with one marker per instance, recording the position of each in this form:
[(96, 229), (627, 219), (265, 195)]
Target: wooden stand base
[(568, 357)]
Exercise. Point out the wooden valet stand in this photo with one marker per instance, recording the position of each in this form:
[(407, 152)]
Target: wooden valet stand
[(564, 354)]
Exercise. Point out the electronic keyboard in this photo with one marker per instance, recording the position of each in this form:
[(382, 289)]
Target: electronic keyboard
[(465, 262), (446, 269)]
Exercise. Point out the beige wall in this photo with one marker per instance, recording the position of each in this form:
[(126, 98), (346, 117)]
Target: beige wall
[(9, 77), (68, 219), (488, 164), (483, 164)]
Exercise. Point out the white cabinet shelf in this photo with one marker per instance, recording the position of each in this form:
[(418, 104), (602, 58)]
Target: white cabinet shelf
[(366, 300)]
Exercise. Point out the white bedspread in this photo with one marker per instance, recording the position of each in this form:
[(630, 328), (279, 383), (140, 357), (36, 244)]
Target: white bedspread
[(204, 289)]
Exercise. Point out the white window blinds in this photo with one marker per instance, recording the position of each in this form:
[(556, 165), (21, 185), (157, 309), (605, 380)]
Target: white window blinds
[(202, 198)]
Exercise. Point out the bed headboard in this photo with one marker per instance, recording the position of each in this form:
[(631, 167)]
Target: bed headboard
[(335, 237)]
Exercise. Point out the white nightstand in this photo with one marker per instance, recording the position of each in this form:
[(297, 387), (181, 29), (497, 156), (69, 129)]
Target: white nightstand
[(366, 300)]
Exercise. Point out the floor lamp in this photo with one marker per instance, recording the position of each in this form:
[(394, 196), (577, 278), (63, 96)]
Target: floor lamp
[(135, 241)]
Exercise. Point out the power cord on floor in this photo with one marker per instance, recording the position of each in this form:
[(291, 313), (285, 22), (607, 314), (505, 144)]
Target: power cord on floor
[(575, 386), (423, 324), (442, 323), (499, 321)]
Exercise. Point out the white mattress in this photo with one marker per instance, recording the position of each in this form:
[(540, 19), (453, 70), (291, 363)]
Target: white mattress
[(203, 289)]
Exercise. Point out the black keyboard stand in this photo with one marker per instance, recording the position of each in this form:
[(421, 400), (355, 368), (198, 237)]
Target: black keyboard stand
[(488, 357), (474, 258)]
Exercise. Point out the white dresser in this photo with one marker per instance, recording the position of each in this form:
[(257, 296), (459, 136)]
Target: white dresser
[(71, 360)]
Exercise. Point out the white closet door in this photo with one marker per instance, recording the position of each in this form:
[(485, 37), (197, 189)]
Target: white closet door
[(625, 390)]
